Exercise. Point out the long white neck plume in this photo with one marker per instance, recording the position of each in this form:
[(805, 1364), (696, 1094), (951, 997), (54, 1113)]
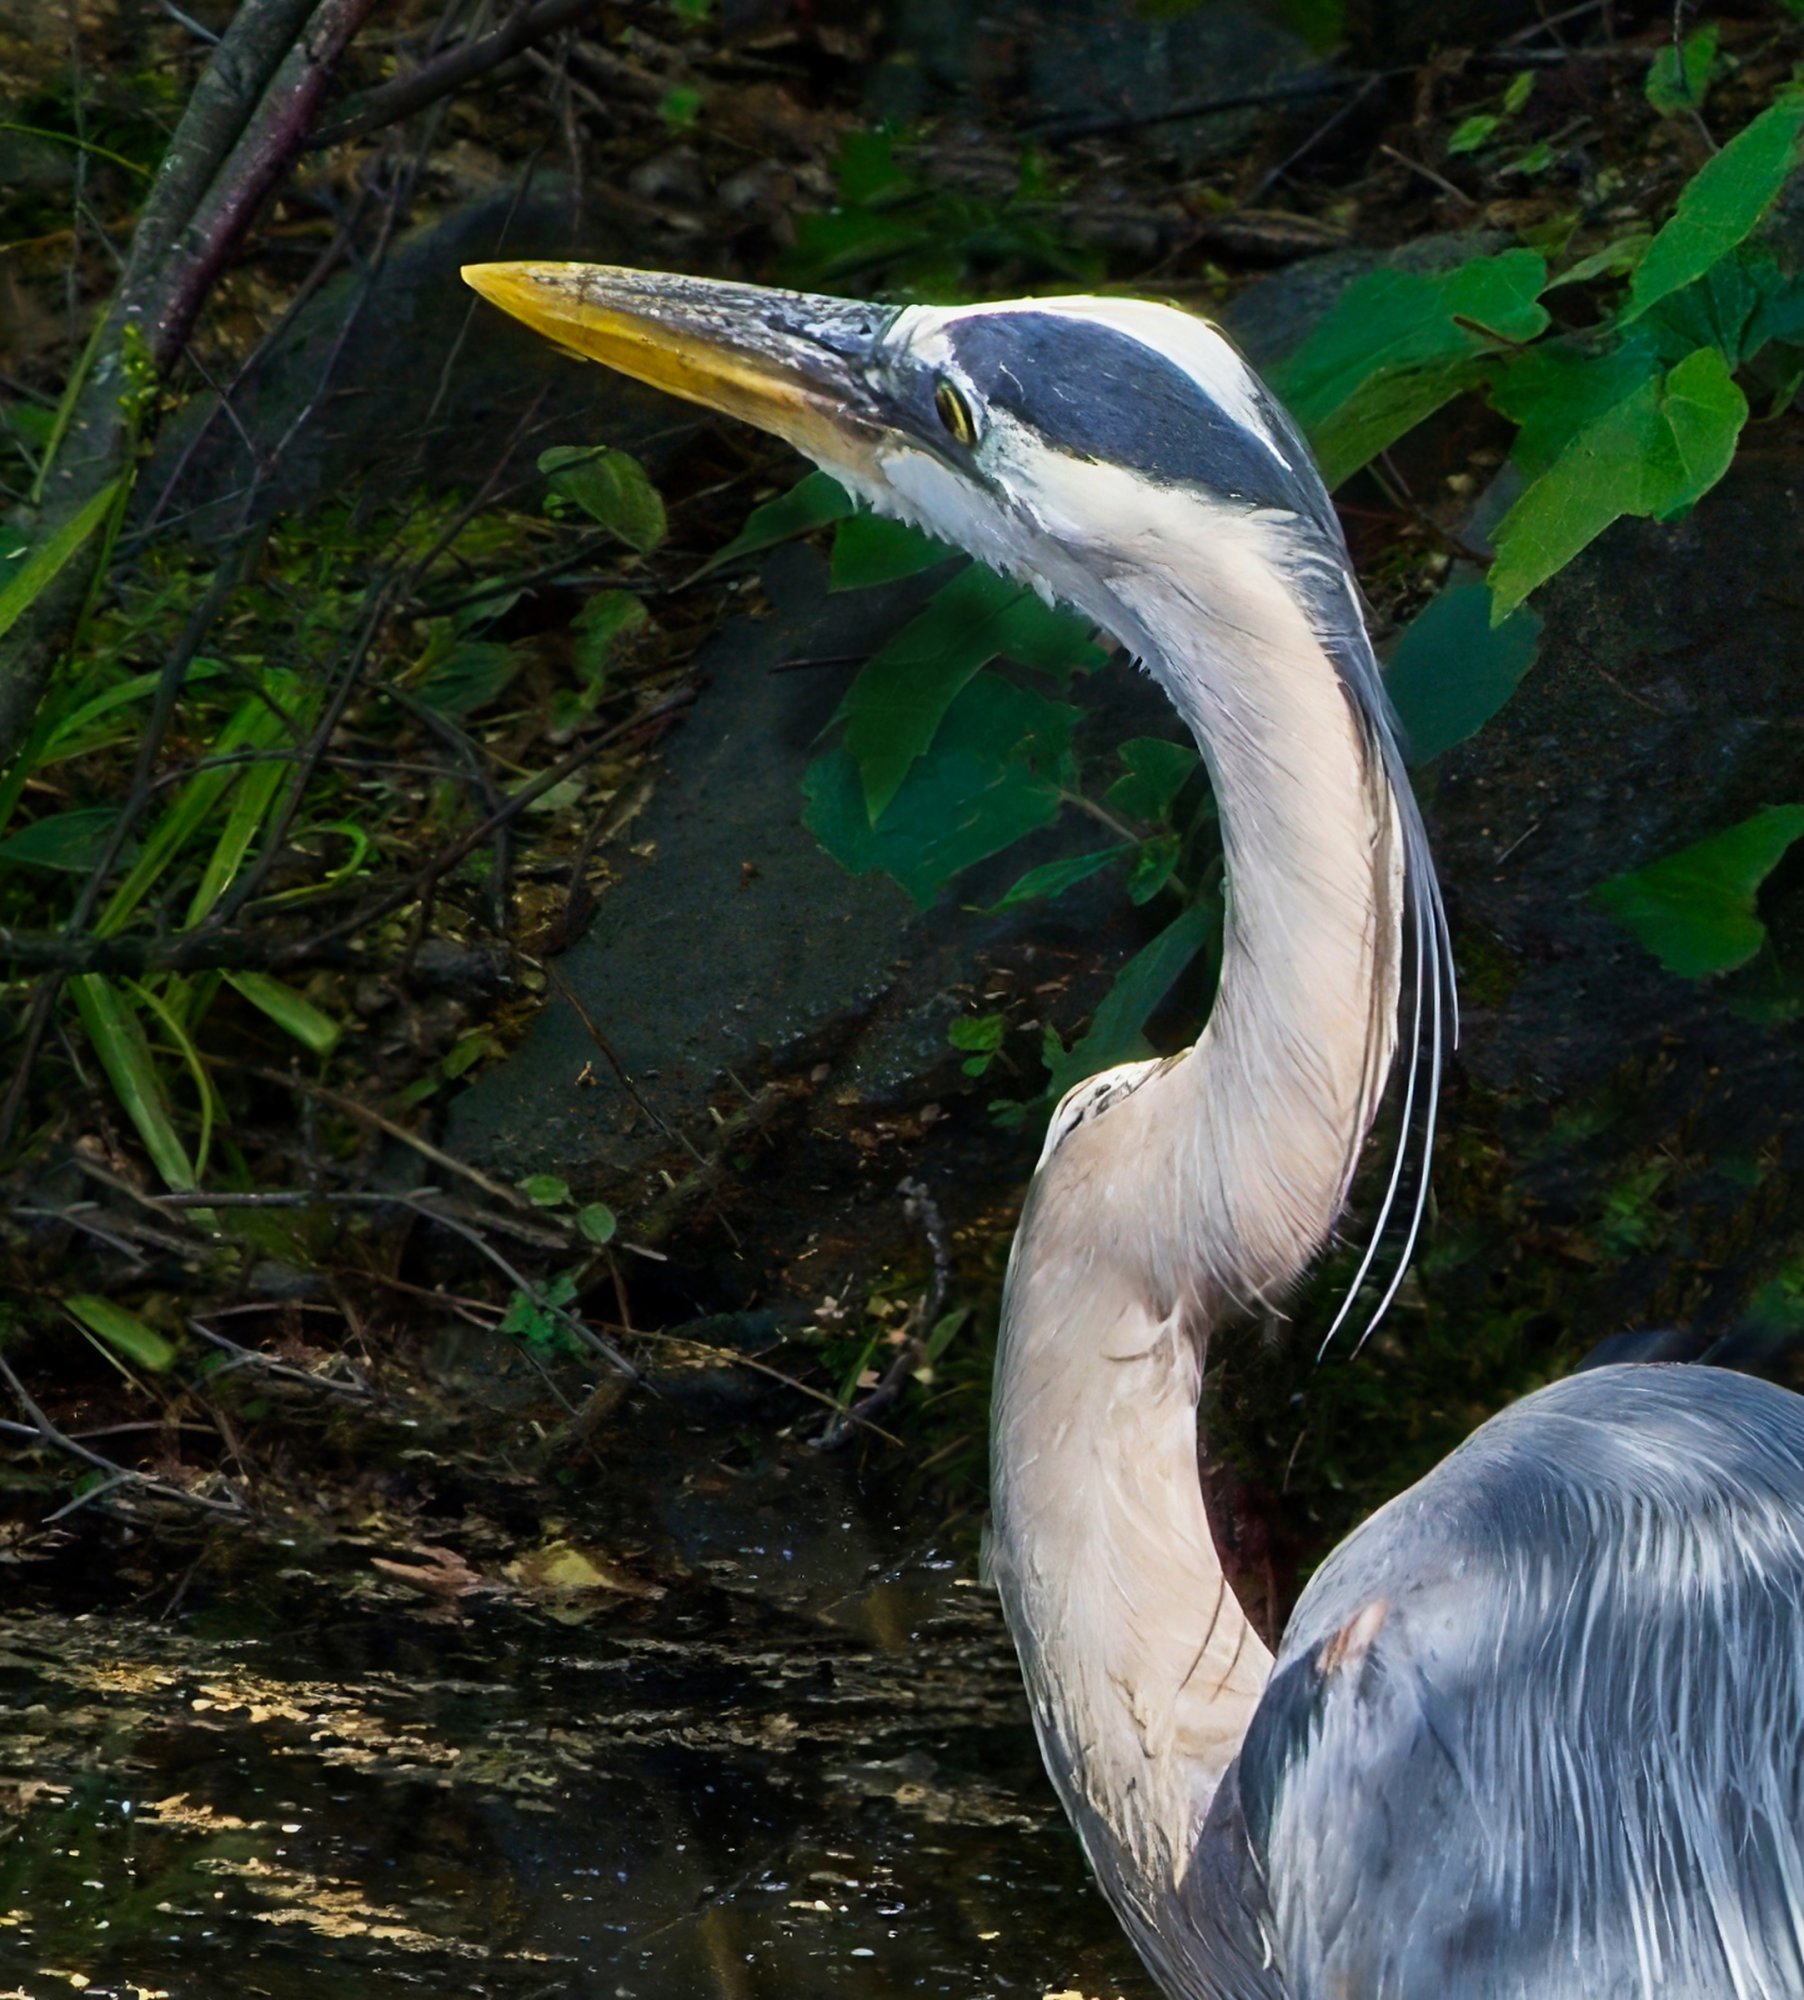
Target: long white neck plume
[(1179, 1194)]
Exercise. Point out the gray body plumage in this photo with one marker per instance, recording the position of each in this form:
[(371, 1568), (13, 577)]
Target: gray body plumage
[(1535, 1729), (1570, 1763)]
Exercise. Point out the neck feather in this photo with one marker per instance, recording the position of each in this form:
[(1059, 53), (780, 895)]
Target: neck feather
[(1174, 1196)]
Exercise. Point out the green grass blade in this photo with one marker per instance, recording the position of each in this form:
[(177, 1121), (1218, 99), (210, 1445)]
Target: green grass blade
[(65, 409), (122, 1331), (41, 568), (292, 1012), (118, 1039), (255, 794), (171, 1018), (252, 726)]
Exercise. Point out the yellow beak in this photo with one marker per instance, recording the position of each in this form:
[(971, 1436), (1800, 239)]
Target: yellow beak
[(789, 362)]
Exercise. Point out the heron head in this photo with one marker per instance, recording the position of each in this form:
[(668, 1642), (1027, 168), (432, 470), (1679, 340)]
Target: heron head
[(1061, 439)]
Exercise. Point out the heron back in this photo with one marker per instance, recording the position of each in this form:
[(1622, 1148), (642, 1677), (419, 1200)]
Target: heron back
[(1537, 1728)]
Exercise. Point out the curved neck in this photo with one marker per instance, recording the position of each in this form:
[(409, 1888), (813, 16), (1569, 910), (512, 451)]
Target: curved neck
[(1188, 1191)]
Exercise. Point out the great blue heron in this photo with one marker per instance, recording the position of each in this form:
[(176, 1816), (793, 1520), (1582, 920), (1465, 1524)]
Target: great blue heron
[(1536, 1728)]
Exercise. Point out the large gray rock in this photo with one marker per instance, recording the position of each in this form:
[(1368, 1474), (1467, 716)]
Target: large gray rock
[(738, 949)]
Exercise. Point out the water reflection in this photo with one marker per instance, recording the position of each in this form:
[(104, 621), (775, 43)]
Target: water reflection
[(744, 1792)]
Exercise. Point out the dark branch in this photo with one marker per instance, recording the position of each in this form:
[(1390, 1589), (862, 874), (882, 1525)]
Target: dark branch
[(391, 102), (268, 147), (244, 126)]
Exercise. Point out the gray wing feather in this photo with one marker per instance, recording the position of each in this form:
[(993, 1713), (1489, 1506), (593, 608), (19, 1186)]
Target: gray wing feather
[(1571, 1762)]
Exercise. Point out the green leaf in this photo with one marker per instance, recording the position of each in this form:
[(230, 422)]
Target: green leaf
[(606, 617), (122, 1331), (1536, 160), (838, 246), (67, 840), (253, 796), (945, 1330), (1555, 389), (1117, 1032), (980, 1036), (1738, 305), (869, 550), (894, 708), (612, 488), (1399, 344), (1721, 203), (1658, 450), (1157, 771), (869, 171), (1471, 133), (811, 503), (608, 614), (1680, 77), (533, 1317), (1704, 414), (1522, 86), (89, 709), (1053, 878), (30, 575), (1695, 910), (1452, 669), (1154, 866), (545, 1190), (168, 1006), (681, 107), (292, 1012), (1000, 766), (118, 1039), (467, 1051), (468, 677), (1616, 259), (597, 1222)]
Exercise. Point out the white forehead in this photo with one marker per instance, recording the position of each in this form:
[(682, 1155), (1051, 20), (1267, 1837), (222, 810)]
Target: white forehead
[(1190, 344)]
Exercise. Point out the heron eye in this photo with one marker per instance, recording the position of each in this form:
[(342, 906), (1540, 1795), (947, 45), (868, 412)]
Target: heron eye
[(955, 413)]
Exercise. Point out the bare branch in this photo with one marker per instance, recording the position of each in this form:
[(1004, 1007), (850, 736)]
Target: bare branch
[(244, 126), (391, 102), (269, 146), (116, 1475)]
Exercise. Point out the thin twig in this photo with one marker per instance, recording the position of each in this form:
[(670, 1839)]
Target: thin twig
[(924, 1211), (116, 1474), (194, 27), (281, 1371), (486, 796), (1428, 174), (390, 102), (411, 891), (752, 1362), (368, 1115), (567, 993)]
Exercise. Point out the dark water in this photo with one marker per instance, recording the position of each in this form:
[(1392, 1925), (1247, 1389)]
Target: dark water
[(766, 1783)]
